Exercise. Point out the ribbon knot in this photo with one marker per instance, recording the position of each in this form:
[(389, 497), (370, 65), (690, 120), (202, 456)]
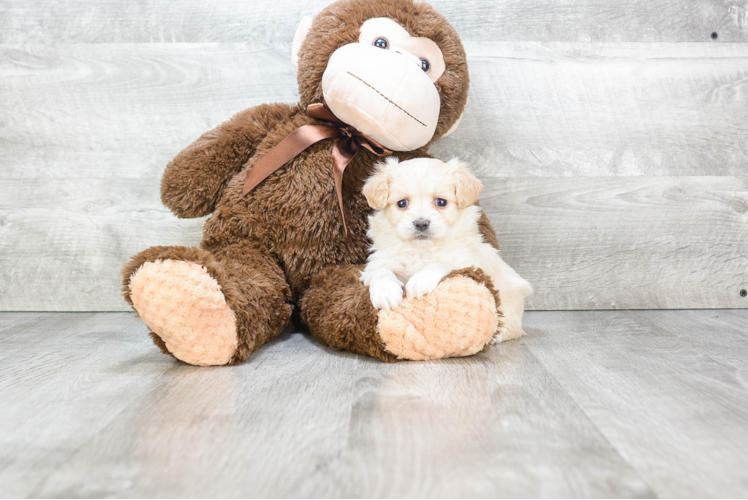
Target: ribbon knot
[(300, 139), (346, 131)]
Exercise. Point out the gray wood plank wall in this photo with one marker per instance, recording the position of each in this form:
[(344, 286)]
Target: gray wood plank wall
[(612, 138)]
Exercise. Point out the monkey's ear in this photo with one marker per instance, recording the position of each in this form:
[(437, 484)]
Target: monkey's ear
[(457, 123), (298, 40), (377, 187), (467, 186)]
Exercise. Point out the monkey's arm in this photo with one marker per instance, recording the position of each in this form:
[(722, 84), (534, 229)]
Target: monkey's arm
[(194, 180)]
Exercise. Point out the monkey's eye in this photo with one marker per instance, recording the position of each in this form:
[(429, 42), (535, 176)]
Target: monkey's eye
[(425, 65), (381, 43), (440, 202), (402, 204)]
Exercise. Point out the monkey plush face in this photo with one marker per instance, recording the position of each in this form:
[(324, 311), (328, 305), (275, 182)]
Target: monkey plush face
[(383, 84), (393, 69)]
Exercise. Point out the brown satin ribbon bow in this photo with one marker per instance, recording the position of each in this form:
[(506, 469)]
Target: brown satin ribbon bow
[(297, 141)]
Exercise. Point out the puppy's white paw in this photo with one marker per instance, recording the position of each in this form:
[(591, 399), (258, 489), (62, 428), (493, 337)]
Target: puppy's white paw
[(368, 276), (423, 282), (386, 294)]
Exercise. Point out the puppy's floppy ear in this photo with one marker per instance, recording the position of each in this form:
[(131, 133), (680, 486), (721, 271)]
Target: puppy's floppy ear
[(377, 187), (467, 186)]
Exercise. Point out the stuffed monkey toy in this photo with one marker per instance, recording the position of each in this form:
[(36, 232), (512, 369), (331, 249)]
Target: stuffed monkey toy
[(287, 236)]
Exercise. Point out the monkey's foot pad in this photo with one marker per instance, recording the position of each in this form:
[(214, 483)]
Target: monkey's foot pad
[(184, 305), (457, 319)]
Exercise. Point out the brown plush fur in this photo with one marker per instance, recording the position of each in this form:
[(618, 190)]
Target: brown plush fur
[(336, 292), (253, 284), (266, 249), (339, 24), (333, 292)]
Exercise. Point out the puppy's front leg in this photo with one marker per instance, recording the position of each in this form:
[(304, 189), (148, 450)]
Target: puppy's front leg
[(385, 290), (512, 288), (512, 292), (512, 308), (426, 280)]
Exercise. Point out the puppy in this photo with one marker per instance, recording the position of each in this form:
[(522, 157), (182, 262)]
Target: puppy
[(424, 227)]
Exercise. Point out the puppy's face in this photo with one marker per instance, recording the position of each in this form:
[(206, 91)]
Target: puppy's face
[(422, 199)]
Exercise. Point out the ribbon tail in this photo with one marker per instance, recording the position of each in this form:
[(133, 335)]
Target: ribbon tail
[(373, 145), (322, 112), (286, 150), (342, 153)]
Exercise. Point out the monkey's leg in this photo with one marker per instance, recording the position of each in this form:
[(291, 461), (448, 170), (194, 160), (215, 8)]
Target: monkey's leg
[(459, 318), (208, 308)]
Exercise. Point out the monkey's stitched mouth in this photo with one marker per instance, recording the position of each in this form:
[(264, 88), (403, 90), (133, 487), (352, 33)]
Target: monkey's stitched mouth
[(385, 97)]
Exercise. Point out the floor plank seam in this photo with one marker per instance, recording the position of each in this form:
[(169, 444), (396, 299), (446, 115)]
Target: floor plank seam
[(618, 451), (38, 491)]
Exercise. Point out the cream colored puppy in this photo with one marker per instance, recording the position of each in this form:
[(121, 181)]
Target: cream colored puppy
[(426, 226)]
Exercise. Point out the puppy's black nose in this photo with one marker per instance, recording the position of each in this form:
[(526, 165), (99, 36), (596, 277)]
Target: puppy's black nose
[(421, 224)]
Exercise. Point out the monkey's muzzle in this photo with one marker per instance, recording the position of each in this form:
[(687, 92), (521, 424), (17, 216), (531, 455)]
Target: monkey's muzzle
[(384, 94)]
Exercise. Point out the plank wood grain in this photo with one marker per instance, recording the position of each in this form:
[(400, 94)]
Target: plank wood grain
[(601, 404), (125, 110), (586, 243), (575, 129), (274, 21), (572, 109), (296, 420), (625, 242), (667, 388), (64, 378), (541, 110)]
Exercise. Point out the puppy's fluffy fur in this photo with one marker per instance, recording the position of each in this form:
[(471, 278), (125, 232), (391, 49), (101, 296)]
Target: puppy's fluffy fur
[(424, 227)]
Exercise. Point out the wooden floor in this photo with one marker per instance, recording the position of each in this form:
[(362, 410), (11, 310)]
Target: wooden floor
[(606, 403)]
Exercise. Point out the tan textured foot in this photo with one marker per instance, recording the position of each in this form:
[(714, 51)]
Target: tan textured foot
[(457, 319), (184, 305)]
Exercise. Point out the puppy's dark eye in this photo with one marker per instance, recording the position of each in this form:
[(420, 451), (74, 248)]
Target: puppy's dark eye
[(440, 202), (425, 65), (402, 204), (381, 43)]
